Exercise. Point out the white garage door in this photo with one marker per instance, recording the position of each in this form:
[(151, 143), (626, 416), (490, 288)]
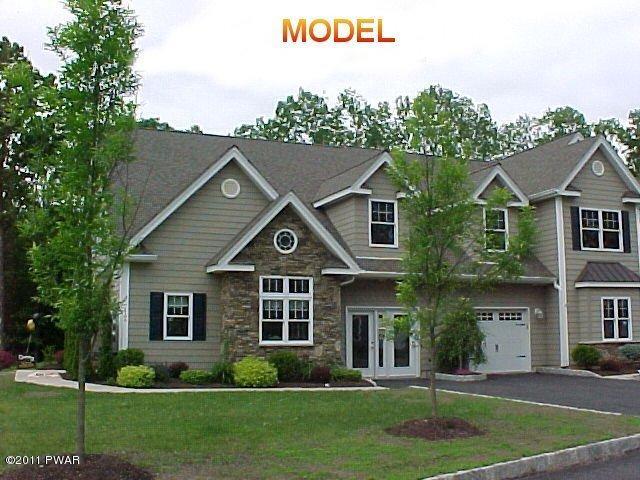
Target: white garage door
[(506, 345)]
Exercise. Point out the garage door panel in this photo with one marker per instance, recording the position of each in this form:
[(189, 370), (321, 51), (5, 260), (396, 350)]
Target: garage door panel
[(506, 344)]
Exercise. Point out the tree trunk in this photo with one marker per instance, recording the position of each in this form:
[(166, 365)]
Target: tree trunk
[(432, 393), (83, 357)]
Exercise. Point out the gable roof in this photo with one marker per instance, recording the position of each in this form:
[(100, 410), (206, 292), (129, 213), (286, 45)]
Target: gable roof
[(497, 172), (223, 260)]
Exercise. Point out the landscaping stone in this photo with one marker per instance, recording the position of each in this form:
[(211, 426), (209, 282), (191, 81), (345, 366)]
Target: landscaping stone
[(478, 377)]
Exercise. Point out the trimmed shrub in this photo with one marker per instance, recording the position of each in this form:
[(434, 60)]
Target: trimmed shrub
[(136, 376), (176, 368), (162, 373), (196, 377), (48, 354), (346, 374), (7, 359), (129, 356), (320, 374), (631, 351), (585, 356), (254, 372), (222, 372), (59, 357), (288, 365), (612, 364)]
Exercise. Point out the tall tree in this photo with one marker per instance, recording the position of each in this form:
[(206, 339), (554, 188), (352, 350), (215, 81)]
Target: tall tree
[(154, 123), (77, 248), (446, 241), (22, 116), (631, 141)]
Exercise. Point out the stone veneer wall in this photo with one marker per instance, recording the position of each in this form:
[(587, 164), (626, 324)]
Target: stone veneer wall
[(240, 293)]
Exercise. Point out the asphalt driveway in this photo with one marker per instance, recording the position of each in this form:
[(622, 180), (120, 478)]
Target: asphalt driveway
[(607, 395)]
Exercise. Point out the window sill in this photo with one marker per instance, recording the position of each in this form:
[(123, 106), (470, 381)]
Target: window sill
[(616, 340), (610, 250), (381, 245), (177, 339), (285, 344)]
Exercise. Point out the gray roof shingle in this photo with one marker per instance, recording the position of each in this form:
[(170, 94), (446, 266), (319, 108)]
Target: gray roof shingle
[(607, 272)]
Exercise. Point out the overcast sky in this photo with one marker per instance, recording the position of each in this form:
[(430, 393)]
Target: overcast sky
[(222, 63)]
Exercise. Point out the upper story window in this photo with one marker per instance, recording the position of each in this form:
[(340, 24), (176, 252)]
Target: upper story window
[(178, 316), (496, 223), (616, 318), (286, 310), (383, 223), (600, 229)]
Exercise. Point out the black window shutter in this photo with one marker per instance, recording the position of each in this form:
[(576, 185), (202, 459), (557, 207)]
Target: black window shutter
[(626, 233), (575, 228), (156, 315), (199, 316)]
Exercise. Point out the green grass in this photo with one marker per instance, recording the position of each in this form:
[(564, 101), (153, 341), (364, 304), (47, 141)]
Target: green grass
[(287, 435)]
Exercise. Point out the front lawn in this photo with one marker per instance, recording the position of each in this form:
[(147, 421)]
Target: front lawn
[(287, 435)]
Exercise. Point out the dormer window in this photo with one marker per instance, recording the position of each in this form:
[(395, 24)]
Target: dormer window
[(496, 223), (600, 229), (383, 223)]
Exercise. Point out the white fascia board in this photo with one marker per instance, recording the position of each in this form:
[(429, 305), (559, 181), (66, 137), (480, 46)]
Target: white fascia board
[(307, 217), (612, 156), (384, 159), (630, 200), (141, 258), (233, 153), (230, 268), (340, 271), (341, 194), (526, 279), (377, 274), (555, 192), (607, 284), (498, 171)]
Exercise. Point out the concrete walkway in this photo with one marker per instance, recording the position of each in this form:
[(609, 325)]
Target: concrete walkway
[(52, 378)]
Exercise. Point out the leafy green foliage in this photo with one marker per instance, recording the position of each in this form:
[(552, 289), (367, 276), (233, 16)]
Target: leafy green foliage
[(107, 367), (222, 372), (254, 372), (70, 359), (196, 377), (345, 374), (288, 365), (48, 354), (460, 339), (630, 351), (136, 376), (162, 373), (585, 356), (129, 356)]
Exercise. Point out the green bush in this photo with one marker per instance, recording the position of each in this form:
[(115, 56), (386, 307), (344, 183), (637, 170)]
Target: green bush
[(631, 351), (288, 365), (460, 340), (70, 360), (136, 376), (585, 356), (128, 357), (162, 373), (48, 354), (254, 372), (196, 377), (346, 374), (222, 372)]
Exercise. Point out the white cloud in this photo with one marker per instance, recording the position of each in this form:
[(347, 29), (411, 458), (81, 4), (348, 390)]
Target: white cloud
[(221, 63)]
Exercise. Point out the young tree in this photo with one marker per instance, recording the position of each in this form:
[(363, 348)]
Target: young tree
[(446, 241), (77, 246)]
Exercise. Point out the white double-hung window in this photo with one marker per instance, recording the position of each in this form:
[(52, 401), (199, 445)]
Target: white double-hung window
[(600, 229), (178, 316), (286, 310), (496, 229), (616, 318)]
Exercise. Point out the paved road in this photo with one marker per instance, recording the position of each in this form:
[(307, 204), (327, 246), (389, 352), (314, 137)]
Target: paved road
[(626, 467), (622, 396)]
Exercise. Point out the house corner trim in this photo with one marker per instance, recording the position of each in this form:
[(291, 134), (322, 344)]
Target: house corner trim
[(562, 286)]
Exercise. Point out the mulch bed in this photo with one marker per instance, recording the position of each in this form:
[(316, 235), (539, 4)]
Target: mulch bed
[(95, 467), (435, 429)]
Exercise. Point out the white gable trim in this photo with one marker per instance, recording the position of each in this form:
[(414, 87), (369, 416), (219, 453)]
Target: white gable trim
[(233, 153), (607, 284), (342, 193), (231, 268), (141, 258), (498, 171), (384, 159), (612, 156), (307, 217)]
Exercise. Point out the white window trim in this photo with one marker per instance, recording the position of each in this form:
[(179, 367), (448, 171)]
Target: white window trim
[(164, 316), (395, 223), (285, 296), (616, 338), (295, 241), (601, 229), (506, 229)]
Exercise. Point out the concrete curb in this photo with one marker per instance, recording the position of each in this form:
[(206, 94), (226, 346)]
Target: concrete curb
[(461, 378), (51, 378), (569, 372), (545, 462)]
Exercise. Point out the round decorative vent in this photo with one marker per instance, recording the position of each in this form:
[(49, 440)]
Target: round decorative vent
[(285, 241), (597, 167), (230, 188)]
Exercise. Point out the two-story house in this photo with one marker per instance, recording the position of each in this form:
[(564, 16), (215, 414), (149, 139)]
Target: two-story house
[(248, 246)]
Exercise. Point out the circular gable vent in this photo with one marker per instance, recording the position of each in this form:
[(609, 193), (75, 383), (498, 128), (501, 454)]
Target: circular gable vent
[(597, 167), (230, 188), (285, 241)]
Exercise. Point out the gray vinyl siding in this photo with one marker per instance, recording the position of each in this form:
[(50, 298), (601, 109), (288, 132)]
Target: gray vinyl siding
[(589, 308), (184, 243), (342, 216), (596, 192)]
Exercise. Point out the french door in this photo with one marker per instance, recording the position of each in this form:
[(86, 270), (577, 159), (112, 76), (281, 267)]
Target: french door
[(376, 352)]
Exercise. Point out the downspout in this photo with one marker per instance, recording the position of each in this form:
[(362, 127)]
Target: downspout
[(561, 286), (348, 282)]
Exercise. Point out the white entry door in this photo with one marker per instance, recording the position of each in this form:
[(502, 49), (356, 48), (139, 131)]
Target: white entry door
[(375, 352), (506, 343)]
